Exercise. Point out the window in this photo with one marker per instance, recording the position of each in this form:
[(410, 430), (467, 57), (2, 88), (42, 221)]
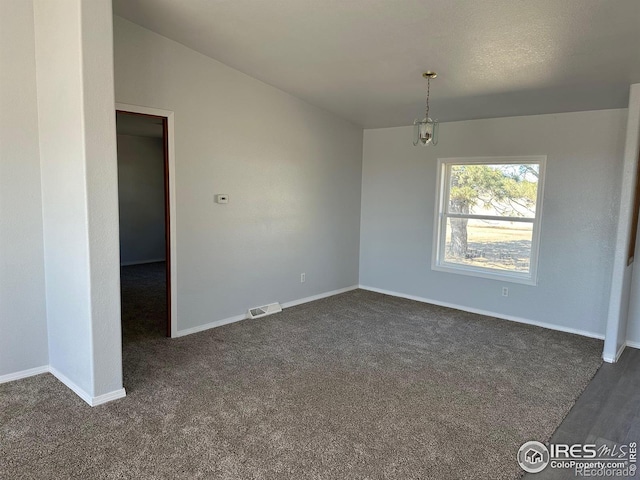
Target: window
[(488, 218)]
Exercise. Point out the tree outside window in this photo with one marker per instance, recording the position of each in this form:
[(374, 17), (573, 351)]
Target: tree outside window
[(489, 216)]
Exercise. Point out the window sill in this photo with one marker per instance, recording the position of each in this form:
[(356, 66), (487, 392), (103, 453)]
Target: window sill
[(526, 279)]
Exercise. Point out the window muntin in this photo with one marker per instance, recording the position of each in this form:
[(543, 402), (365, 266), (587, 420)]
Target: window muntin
[(488, 218)]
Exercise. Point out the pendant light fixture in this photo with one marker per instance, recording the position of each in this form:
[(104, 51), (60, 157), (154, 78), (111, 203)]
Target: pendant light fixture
[(425, 131)]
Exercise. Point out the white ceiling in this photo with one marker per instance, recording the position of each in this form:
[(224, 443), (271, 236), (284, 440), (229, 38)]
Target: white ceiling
[(363, 59)]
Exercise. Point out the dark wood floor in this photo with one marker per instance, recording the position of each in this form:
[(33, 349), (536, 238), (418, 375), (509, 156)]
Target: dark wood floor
[(608, 411)]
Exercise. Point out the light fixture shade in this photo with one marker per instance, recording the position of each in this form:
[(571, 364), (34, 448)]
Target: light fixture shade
[(425, 132)]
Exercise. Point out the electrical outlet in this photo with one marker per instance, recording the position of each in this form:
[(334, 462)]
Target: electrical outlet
[(505, 292), (303, 277)]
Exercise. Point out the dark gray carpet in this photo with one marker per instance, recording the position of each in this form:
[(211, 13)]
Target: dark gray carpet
[(144, 301), (356, 386)]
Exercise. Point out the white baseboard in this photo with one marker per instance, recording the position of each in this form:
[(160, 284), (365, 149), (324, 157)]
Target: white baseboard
[(143, 262), (633, 344), (207, 326), (91, 401), (75, 388), (621, 351), (487, 313), (609, 359), (10, 377), (237, 318), (312, 298), (108, 397)]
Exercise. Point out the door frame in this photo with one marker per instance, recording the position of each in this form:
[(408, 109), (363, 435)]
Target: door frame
[(170, 205)]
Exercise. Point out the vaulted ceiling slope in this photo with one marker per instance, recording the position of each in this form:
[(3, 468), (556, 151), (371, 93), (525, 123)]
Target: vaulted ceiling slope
[(363, 59)]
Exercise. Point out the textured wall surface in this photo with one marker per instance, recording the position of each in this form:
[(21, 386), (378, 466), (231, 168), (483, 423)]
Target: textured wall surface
[(23, 322), (102, 193), (581, 198), (292, 172), (59, 75), (625, 297), (79, 189)]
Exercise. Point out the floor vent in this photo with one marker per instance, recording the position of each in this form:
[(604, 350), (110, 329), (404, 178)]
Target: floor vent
[(265, 310)]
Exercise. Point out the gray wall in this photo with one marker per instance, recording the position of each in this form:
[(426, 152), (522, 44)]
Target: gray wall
[(23, 323), (141, 197), (626, 299), (63, 191), (292, 171), (78, 162), (581, 198)]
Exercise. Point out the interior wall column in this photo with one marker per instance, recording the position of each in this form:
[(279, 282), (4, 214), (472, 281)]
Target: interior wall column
[(615, 338), (76, 117)]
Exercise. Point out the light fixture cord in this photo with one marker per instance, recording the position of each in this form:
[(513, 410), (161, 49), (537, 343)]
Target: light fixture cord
[(428, 88)]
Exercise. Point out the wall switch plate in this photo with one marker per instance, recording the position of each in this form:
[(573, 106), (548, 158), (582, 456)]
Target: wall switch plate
[(303, 277), (222, 198)]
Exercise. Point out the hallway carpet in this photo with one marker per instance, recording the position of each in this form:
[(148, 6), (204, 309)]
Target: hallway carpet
[(356, 386), (144, 301)]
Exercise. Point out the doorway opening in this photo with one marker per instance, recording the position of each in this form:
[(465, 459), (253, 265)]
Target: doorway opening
[(144, 200)]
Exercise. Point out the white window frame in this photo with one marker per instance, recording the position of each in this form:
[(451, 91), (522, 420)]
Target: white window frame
[(439, 232)]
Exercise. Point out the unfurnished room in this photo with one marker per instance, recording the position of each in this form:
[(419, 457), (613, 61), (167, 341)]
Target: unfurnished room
[(319, 239)]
